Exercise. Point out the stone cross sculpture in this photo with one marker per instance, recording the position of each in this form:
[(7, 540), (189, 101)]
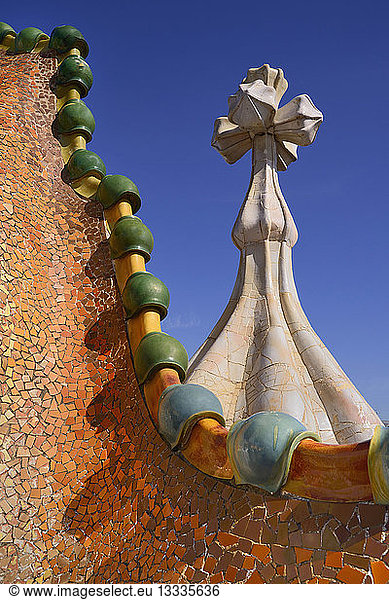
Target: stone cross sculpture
[(263, 354)]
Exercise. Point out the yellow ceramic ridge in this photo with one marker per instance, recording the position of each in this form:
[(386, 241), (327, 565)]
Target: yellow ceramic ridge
[(8, 42), (146, 321), (41, 45), (378, 474)]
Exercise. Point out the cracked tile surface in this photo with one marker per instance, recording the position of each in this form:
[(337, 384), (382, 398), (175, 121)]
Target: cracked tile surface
[(89, 491)]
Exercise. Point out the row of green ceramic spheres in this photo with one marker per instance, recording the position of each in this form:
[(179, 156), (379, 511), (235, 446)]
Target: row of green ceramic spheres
[(62, 39), (180, 406), (74, 71), (142, 290)]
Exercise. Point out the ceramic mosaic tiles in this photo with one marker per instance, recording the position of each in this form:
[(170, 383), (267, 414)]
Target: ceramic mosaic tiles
[(90, 491), (263, 354)]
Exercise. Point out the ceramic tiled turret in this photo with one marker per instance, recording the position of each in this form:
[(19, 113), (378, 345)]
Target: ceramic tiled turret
[(263, 353)]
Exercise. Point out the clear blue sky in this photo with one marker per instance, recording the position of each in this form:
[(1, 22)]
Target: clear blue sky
[(163, 72)]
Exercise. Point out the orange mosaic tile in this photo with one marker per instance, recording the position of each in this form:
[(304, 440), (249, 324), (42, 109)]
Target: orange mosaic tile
[(380, 572), (334, 559), (302, 555), (350, 575)]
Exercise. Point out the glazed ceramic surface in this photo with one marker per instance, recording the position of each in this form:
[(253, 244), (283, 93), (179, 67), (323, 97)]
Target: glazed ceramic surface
[(181, 407), (263, 353)]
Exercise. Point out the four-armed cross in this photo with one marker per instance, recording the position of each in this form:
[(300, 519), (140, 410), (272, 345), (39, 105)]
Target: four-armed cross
[(263, 353)]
